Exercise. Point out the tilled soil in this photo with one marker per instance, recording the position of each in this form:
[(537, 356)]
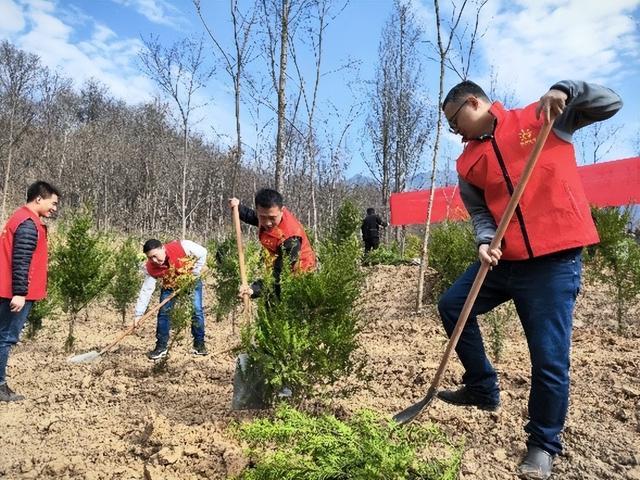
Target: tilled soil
[(118, 419)]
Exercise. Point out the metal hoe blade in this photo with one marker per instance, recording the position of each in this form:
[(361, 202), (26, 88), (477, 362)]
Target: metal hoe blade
[(411, 413), (84, 357)]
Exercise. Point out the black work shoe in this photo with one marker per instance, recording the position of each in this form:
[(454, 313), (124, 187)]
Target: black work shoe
[(8, 395), (199, 349), (464, 396), (157, 353), (536, 465)]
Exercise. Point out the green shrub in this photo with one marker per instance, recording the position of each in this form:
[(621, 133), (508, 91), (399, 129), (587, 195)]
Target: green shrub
[(412, 246), (615, 260), (384, 255), (126, 277), (223, 262), (451, 250), (296, 446), (348, 221), (81, 267), (306, 339)]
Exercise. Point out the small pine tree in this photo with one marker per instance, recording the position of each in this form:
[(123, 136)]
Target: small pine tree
[(126, 277), (451, 250), (616, 259), (82, 267), (307, 339), (348, 222)]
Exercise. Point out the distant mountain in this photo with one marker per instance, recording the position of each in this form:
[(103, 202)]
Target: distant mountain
[(362, 180)]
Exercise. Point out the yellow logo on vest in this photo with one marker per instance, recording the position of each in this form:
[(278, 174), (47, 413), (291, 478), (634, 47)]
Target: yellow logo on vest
[(526, 137)]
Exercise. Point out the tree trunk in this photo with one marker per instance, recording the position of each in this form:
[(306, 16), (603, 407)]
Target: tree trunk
[(282, 100)]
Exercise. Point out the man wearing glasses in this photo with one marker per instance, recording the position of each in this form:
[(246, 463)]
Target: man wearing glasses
[(538, 265)]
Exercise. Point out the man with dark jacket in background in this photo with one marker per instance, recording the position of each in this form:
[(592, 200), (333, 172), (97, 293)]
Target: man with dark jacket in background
[(23, 270), (371, 230)]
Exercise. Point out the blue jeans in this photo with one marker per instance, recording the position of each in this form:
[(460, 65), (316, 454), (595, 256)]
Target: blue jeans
[(11, 324), (544, 291), (164, 322)]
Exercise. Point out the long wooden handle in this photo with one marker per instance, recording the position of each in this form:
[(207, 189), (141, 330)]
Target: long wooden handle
[(484, 267), (129, 330), (243, 271)]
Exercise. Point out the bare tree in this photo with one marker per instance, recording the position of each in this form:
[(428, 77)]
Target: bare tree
[(235, 64), (444, 43), (179, 71), (596, 141), (18, 79), (399, 120)]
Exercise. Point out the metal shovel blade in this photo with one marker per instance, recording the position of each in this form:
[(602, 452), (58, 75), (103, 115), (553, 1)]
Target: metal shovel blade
[(84, 357), (411, 413)]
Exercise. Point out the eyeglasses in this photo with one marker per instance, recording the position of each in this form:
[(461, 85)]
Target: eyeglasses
[(453, 126)]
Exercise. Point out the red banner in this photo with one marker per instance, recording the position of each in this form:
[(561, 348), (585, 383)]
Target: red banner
[(607, 184)]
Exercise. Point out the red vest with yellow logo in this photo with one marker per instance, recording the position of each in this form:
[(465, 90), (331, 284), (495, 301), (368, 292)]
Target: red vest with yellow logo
[(553, 213), (289, 227), (175, 258), (37, 288)]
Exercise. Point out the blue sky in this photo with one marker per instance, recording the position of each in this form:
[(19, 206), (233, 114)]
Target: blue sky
[(529, 43)]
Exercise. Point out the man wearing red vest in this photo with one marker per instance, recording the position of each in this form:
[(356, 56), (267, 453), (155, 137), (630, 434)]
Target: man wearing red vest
[(281, 235), (23, 270), (162, 264), (539, 263)]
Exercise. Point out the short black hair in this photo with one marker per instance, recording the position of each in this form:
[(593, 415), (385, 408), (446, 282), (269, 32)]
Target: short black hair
[(461, 90), (371, 211), (151, 244), (267, 198), (41, 189)]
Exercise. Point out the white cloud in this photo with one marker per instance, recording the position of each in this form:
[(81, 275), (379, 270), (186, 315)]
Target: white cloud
[(156, 11), (51, 34), (11, 18), (533, 43)]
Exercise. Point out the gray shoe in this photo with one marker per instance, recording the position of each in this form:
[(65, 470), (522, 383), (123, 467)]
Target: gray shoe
[(536, 465), (199, 348), (157, 353), (8, 395)]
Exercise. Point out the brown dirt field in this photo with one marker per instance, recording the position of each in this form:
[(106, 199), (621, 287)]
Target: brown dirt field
[(116, 419)]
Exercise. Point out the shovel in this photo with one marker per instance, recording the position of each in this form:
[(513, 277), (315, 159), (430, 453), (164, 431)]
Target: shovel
[(94, 355), (414, 411)]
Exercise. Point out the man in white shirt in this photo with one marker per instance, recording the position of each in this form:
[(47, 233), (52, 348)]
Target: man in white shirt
[(163, 260)]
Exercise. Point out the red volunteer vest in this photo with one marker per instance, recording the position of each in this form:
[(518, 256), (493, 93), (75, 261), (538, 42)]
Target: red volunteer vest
[(175, 258), (37, 286), (553, 213), (289, 227)]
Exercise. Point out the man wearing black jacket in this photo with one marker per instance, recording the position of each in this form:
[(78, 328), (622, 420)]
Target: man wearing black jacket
[(371, 230), (23, 270)]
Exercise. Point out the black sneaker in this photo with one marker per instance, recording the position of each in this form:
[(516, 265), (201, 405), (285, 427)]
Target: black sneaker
[(8, 395), (199, 349), (536, 465), (157, 353), (464, 396)]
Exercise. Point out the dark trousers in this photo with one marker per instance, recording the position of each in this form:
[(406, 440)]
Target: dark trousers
[(544, 291), (11, 324), (371, 244), (164, 321)]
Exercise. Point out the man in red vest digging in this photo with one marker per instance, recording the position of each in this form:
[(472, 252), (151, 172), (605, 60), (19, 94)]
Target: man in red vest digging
[(539, 263), (23, 270), (281, 235), (164, 261)]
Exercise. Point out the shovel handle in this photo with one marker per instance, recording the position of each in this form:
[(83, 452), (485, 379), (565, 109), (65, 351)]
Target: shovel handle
[(243, 272), (130, 330), (484, 267)]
